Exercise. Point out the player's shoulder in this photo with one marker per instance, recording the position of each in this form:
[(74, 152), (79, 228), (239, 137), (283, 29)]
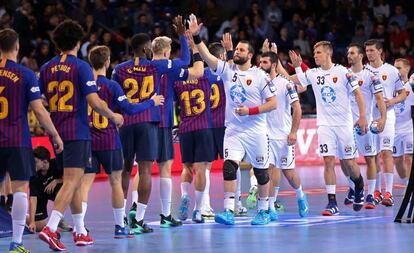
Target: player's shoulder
[(340, 68), (123, 64), (390, 68)]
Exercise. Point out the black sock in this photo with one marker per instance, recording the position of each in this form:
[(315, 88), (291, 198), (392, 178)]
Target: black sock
[(332, 198), (2, 200), (9, 201), (359, 183)]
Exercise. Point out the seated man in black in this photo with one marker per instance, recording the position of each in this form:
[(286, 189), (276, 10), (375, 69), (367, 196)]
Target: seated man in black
[(44, 186)]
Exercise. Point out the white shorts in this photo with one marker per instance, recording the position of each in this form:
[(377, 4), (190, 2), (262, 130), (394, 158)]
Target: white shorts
[(386, 138), (403, 144), (337, 141), (254, 147), (367, 144), (281, 154)]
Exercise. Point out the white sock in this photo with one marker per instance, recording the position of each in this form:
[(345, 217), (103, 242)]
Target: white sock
[(134, 197), (165, 195), (371, 186), (350, 183), (277, 188), (378, 185), (125, 201), (238, 190), (299, 192), (19, 210), (84, 208), (229, 200), (263, 203), (253, 181), (119, 216), (54, 220), (389, 180), (199, 200), (206, 197), (140, 211), (272, 203), (405, 181), (184, 188), (331, 189), (79, 224)]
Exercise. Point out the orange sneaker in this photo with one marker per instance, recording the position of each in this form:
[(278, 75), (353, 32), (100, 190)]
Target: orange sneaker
[(52, 238), (83, 240), (388, 200), (378, 197)]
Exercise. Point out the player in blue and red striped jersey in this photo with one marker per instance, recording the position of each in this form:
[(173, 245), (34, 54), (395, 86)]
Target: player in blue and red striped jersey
[(140, 79), (106, 144), (68, 85), (18, 90)]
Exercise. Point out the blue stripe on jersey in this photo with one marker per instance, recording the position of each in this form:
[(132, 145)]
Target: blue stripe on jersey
[(218, 99)]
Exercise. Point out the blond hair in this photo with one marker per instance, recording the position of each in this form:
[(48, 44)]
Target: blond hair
[(160, 43), (325, 44), (404, 61)]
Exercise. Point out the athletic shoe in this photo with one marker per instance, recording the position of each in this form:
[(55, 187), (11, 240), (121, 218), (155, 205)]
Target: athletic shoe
[(197, 217), (303, 206), (83, 240), (273, 215), (122, 232), (52, 238), (226, 217), (279, 206), (183, 211), (261, 218), (378, 197), (359, 200), (207, 213), (252, 199), (370, 202), (64, 226), (132, 213), (331, 209), (169, 221), (349, 199), (240, 211), (139, 227), (388, 200), (125, 221), (17, 248)]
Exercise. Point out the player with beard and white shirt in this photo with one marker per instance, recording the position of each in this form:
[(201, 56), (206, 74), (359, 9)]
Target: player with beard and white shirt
[(282, 125), (403, 142), (391, 84), (371, 89), (333, 85), (246, 88)]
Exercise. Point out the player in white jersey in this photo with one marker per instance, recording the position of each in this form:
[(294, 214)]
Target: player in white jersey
[(391, 84), (333, 85), (403, 142), (246, 88), (371, 89), (282, 126)]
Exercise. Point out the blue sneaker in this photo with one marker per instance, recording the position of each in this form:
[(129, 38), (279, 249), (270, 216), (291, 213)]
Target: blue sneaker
[(183, 211), (17, 248), (359, 200), (303, 206), (370, 202), (331, 209), (349, 199), (261, 218), (226, 217), (197, 217), (122, 232), (273, 215)]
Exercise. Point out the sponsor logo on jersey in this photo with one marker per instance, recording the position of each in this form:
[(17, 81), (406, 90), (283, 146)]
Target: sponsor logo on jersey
[(283, 160), (90, 83), (368, 148), (386, 141), (409, 146), (328, 94), (348, 149), (238, 94), (35, 89), (260, 159)]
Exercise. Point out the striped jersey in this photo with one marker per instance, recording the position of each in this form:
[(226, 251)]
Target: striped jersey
[(217, 99), (18, 87), (104, 133), (66, 81)]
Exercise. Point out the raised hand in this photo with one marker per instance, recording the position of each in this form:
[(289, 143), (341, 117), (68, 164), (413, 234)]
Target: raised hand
[(190, 40), (265, 46), (193, 26), (274, 48), (179, 25), (227, 42), (295, 59)]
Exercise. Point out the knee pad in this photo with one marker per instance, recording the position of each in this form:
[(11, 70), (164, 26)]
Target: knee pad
[(262, 176), (230, 170)]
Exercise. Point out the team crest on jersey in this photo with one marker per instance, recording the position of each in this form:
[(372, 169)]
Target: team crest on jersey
[(360, 82), (334, 79), (384, 77), (249, 81)]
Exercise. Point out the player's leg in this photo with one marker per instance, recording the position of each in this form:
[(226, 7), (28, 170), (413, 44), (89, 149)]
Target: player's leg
[(349, 199), (273, 190), (187, 157), (386, 143), (371, 181), (252, 198), (127, 137), (240, 210), (207, 211), (378, 185)]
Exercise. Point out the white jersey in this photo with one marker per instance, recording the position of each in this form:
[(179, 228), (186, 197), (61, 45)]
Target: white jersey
[(279, 121), (369, 85), (332, 90), (403, 121), (391, 83), (248, 88)]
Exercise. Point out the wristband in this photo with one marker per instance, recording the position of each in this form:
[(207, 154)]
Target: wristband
[(230, 55), (254, 110), (197, 57), (197, 39), (304, 67)]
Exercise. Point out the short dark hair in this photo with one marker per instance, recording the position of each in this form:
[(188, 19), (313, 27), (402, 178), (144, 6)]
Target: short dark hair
[(250, 46), (376, 42), (138, 42), (41, 153), (8, 39), (216, 49), (67, 35), (272, 55), (358, 46), (98, 55)]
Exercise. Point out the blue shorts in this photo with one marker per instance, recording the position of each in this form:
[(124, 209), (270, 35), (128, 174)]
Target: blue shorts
[(197, 146), (140, 140), (218, 134), (111, 160), (165, 144), (19, 162), (75, 154)]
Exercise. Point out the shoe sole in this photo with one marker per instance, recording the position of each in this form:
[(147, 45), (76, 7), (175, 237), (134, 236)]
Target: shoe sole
[(44, 237), (387, 203), (81, 244), (170, 225), (221, 221), (370, 206), (324, 213), (259, 224), (123, 236), (357, 207)]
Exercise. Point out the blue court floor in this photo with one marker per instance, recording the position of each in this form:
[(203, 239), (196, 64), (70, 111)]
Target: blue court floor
[(365, 231)]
